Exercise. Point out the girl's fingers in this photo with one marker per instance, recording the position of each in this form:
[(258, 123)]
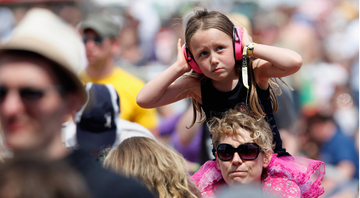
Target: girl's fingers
[(246, 37), (244, 29), (179, 44)]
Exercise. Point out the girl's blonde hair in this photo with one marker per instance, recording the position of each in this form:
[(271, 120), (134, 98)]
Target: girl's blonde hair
[(236, 119), (161, 169), (204, 20)]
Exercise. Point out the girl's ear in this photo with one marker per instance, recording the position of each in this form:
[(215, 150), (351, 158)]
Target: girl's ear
[(267, 158)]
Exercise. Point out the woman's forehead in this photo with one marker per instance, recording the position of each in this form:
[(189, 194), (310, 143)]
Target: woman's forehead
[(241, 136)]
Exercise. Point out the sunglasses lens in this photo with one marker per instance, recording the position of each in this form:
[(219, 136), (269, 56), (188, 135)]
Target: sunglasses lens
[(31, 94), (98, 40), (3, 92), (249, 151), (225, 152), (85, 39)]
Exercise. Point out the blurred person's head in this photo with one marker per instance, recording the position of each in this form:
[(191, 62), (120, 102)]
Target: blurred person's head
[(96, 122), (161, 169), (243, 144), (100, 36), (39, 88), (29, 177), (240, 20), (321, 127)]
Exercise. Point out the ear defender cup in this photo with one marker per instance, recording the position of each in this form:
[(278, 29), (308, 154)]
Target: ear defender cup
[(190, 60), (237, 37)]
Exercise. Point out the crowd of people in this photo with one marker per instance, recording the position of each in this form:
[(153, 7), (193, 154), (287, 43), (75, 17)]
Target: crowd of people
[(145, 99)]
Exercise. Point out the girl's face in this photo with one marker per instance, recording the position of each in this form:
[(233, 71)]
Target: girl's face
[(213, 52)]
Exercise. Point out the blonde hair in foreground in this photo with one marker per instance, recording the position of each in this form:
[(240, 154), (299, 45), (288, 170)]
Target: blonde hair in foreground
[(234, 119), (161, 169)]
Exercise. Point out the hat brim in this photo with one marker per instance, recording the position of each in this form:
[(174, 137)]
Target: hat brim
[(95, 141), (94, 26)]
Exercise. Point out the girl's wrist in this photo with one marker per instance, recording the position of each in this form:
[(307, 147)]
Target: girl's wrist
[(180, 68), (250, 49)]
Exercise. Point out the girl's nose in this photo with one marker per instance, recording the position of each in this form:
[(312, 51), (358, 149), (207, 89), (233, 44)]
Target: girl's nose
[(214, 59)]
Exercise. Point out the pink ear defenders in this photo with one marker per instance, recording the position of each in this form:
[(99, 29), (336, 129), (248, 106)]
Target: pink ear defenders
[(237, 37)]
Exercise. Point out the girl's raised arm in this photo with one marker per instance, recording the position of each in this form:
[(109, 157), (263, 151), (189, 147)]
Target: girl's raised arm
[(272, 61), (165, 88)]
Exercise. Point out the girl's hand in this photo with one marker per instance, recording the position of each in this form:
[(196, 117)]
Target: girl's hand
[(246, 38), (181, 60)]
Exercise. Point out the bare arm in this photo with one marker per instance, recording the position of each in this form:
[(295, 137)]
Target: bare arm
[(272, 61), (167, 87)]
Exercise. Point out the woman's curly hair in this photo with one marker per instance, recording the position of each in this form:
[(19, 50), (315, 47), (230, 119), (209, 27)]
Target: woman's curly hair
[(235, 119), (160, 168)]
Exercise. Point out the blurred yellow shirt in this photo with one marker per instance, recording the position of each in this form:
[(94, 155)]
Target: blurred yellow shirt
[(127, 86)]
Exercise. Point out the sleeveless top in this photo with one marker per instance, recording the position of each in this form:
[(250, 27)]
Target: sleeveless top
[(215, 102)]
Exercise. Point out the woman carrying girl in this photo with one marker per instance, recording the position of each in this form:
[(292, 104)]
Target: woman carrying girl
[(244, 157)]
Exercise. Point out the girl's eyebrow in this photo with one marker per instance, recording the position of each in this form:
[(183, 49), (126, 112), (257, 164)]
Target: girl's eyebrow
[(200, 49)]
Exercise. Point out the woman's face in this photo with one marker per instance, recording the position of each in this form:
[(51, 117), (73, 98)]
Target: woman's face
[(237, 170)]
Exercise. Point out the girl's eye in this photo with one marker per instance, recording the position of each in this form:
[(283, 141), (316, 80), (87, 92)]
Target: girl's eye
[(203, 53), (220, 48)]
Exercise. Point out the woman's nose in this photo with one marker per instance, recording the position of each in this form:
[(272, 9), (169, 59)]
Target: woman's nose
[(236, 158)]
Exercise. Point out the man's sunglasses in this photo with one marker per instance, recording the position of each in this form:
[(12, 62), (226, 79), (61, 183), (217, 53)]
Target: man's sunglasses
[(27, 94), (97, 40), (247, 151)]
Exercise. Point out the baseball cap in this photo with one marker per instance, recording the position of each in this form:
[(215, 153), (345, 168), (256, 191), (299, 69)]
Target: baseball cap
[(96, 122), (103, 24), (44, 33)]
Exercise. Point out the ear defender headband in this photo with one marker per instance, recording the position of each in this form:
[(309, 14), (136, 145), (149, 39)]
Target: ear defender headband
[(238, 51)]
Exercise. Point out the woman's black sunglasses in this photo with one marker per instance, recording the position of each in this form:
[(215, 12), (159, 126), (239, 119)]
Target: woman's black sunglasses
[(247, 151)]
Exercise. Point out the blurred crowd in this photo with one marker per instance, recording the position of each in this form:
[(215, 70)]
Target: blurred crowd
[(318, 119)]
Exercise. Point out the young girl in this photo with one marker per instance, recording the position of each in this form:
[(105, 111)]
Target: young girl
[(219, 82)]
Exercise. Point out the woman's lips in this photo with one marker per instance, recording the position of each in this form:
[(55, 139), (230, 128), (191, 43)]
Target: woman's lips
[(239, 173)]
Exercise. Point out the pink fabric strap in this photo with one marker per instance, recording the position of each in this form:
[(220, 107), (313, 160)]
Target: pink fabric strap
[(306, 173)]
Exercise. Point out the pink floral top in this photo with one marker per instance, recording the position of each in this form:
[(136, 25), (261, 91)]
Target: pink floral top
[(285, 177), (280, 186)]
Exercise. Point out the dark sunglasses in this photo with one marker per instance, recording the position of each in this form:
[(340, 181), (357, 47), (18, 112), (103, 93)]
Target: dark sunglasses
[(247, 151), (97, 40), (27, 94)]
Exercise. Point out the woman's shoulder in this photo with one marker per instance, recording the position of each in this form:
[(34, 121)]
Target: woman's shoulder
[(208, 179), (293, 172)]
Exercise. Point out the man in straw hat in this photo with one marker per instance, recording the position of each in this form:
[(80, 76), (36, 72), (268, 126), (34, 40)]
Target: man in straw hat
[(39, 89)]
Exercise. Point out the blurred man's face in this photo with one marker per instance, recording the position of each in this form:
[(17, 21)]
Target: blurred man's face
[(98, 49), (31, 108)]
